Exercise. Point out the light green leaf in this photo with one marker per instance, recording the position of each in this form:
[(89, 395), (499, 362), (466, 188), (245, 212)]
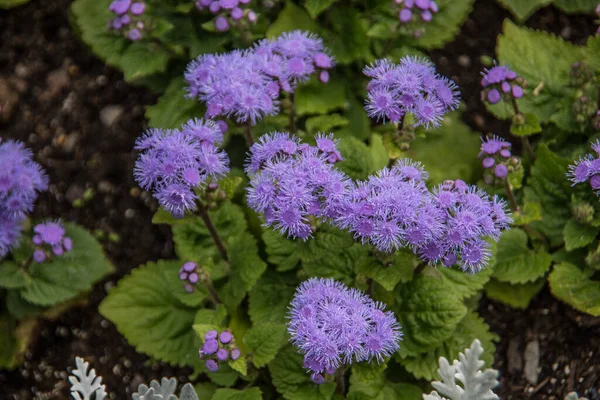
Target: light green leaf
[(290, 18), (270, 298), (240, 365), (162, 216), (571, 285), (325, 123), (264, 341), (460, 163), (282, 252), (538, 57), (464, 284), (149, 315), (11, 276), (522, 9), (576, 6), (347, 39), (471, 327), (359, 122), (530, 212), (291, 380), (233, 394), (67, 276), (172, 109), (548, 186), (315, 97), (529, 125), (513, 294), (246, 268), (205, 390), (515, 262), (8, 342), (316, 7), (230, 185), (193, 241), (428, 313), (579, 235), (358, 162), (136, 59), (445, 25)]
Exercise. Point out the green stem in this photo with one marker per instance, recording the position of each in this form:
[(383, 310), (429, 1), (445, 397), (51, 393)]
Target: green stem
[(213, 231), (524, 139), (511, 196), (340, 382), (248, 133)]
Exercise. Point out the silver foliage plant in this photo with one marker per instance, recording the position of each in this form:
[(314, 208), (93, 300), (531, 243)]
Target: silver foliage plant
[(86, 386), (475, 384)]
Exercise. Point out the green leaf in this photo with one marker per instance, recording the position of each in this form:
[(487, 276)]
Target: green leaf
[(136, 59), (246, 268), (69, 275), (282, 252), (516, 262), (162, 216), (539, 57), (340, 264), (20, 308), (464, 284), (522, 9), (11, 276), (368, 382), (291, 380), (530, 212), (428, 313), (264, 341), (270, 298), (325, 123), (150, 316), (548, 186), (576, 6), (358, 162), (205, 390), (231, 185), (291, 17), (471, 327), (172, 109), (8, 342), (513, 294), (579, 235), (400, 269), (233, 394), (446, 24), (193, 241), (316, 7), (571, 285), (347, 39), (240, 365), (315, 97), (525, 125), (460, 163), (10, 4)]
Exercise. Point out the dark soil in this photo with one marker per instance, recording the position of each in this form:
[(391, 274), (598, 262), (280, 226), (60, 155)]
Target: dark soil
[(54, 91)]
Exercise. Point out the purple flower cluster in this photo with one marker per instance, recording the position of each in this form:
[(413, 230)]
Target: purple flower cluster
[(128, 18), (412, 10), (495, 153), (50, 235), (393, 209), (175, 162), (332, 324), (21, 179), (469, 216), (246, 85), (292, 182), (189, 274), (228, 12), (218, 347), (587, 169), (413, 86), (500, 81)]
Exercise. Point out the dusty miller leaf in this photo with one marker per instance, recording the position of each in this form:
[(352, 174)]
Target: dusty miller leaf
[(84, 385)]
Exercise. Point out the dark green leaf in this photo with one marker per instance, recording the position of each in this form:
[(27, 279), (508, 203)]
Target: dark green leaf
[(233, 394), (358, 162), (10, 4), (576, 6), (315, 97), (290, 18), (400, 269), (325, 123), (172, 109), (270, 298), (316, 7), (522, 9), (264, 341), (11, 276)]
